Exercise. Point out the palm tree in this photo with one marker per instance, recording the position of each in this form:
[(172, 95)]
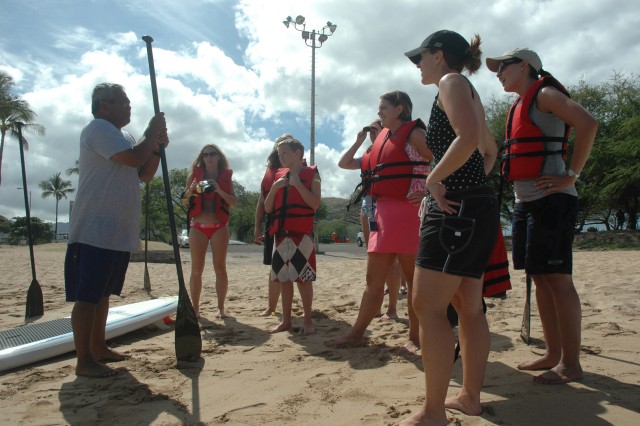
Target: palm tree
[(13, 110), (75, 170), (57, 187)]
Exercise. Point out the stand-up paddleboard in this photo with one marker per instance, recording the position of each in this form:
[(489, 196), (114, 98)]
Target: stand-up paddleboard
[(34, 342)]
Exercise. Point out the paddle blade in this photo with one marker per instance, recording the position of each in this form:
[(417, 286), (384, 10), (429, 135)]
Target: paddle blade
[(188, 340), (35, 304), (525, 330), (147, 280)]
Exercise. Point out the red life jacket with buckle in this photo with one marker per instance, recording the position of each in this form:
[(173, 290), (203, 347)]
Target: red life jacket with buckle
[(525, 151), (220, 206), (387, 170), (290, 212)]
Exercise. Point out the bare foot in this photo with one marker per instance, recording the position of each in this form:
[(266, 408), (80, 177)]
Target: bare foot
[(308, 330), (221, 314), (412, 347), (464, 405), (280, 327), (545, 362), (108, 355), (346, 341), (94, 369), (559, 375), (421, 418), (268, 313), (390, 315)]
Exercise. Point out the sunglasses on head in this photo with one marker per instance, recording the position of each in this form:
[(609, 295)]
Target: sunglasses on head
[(505, 64), (210, 154)]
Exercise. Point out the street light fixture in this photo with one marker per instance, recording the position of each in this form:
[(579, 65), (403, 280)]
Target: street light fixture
[(314, 43)]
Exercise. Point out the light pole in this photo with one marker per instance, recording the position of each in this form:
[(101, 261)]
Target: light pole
[(314, 43)]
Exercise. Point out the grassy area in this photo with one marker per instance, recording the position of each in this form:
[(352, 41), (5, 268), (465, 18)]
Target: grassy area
[(608, 240)]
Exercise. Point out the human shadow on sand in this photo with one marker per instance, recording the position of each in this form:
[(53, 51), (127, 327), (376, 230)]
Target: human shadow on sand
[(229, 332), (525, 403), (101, 401)]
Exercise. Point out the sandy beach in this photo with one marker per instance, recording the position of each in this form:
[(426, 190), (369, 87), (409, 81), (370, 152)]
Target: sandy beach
[(250, 377)]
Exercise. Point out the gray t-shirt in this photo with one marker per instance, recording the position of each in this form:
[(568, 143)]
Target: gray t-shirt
[(106, 212), (554, 165)]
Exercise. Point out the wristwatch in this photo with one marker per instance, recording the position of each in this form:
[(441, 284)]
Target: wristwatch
[(572, 173)]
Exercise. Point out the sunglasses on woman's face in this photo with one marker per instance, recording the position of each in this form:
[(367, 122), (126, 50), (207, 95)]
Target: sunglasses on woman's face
[(506, 63), (210, 154)]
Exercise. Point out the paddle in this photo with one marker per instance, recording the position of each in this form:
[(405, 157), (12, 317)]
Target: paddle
[(147, 281), (525, 330), (35, 305), (188, 341)]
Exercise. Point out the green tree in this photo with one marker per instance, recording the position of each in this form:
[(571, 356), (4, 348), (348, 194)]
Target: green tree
[(14, 110), (158, 216), (40, 231), (57, 188), (242, 217), (5, 224), (611, 178), (75, 170)]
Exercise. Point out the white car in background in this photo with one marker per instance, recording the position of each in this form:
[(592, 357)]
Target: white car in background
[(183, 238), (360, 239)]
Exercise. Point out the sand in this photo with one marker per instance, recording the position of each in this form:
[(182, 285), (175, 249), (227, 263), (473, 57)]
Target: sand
[(249, 377)]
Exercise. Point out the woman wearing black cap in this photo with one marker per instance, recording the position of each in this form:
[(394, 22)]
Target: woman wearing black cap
[(458, 229), (546, 201)]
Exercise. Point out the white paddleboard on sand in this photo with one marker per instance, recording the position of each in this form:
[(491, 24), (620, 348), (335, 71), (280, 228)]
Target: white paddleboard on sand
[(34, 342)]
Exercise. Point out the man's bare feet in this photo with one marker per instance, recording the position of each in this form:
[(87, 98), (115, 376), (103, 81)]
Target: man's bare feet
[(346, 341), (546, 362), (268, 313), (559, 375), (390, 315), (107, 354), (280, 327), (464, 405), (421, 418), (94, 369), (221, 314)]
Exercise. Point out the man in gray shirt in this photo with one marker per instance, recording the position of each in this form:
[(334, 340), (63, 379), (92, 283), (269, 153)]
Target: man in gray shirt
[(105, 221)]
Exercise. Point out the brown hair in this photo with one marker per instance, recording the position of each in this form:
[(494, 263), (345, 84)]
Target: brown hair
[(471, 59), (223, 164), (396, 98)]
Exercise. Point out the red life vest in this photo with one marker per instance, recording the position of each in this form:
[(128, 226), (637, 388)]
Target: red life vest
[(290, 212), (267, 181), (220, 206), (496, 273), (524, 152), (387, 172)]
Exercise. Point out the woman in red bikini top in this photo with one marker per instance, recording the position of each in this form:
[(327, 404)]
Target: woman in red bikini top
[(209, 194)]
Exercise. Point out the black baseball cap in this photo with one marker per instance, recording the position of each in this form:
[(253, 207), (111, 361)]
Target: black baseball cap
[(449, 41)]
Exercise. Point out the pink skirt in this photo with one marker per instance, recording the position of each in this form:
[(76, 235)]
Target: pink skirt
[(398, 227)]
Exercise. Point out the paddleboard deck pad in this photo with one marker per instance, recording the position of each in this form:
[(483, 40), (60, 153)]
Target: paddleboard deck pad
[(35, 342)]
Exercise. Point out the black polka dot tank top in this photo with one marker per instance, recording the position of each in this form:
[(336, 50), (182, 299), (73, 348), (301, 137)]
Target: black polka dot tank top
[(440, 135)]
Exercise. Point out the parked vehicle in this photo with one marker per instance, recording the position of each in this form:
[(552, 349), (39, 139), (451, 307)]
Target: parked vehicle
[(360, 239), (183, 238)]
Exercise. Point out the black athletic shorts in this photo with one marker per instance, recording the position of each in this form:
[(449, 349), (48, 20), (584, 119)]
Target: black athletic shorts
[(460, 244), (542, 234)]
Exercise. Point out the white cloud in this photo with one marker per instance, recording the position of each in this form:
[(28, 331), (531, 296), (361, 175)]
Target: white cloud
[(229, 72)]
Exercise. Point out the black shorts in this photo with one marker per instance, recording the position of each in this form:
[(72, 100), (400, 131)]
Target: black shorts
[(542, 234), (91, 273), (460, 244)]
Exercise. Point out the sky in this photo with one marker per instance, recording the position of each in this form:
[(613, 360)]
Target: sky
[(230, 73)]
